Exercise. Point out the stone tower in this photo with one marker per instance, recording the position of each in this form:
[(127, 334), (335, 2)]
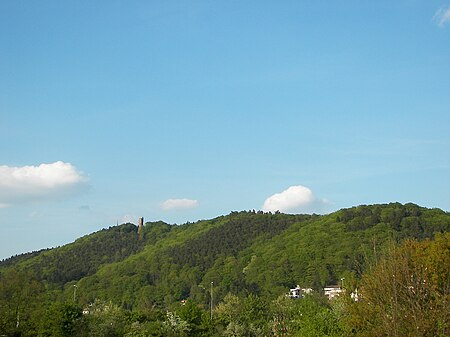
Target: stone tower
[(141, 227)]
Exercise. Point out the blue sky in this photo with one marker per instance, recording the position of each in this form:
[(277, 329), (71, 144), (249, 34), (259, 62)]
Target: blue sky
[(187, 110)]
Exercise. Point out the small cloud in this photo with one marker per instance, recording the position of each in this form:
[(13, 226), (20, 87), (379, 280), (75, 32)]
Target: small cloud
[(294, 199), (34, 183), (442, 16), (129, 218), (179, 204)]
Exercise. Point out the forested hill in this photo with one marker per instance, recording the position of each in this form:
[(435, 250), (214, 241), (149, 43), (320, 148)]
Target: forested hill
[(84, 256), (243, 252), (125, 281)]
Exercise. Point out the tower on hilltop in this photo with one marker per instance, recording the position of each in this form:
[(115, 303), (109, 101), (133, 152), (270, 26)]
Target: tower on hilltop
[(141, 228)]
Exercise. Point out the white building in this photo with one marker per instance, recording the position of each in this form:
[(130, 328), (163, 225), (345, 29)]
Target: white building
[(298, 292), (332, 291)]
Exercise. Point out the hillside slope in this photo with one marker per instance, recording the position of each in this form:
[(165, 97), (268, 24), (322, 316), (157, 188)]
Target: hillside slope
[(243, 252), (84, 257), (249, 252)]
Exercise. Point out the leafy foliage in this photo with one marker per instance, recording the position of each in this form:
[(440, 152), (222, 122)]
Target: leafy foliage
[(407, 292), (228, 240)]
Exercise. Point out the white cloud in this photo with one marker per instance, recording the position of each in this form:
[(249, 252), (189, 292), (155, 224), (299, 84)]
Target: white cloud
[(294, 199), (129, 218), (178, 204), (34, 183), (442, 16)]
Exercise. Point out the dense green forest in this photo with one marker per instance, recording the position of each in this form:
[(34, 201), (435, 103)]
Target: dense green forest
[(229, 276)]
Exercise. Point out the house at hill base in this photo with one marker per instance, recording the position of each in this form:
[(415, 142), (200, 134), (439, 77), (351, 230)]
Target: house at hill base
[(332, 291), (298, 292)]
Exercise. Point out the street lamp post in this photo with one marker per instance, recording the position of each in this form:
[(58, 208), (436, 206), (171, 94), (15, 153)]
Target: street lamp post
[(74, 292), (210, 297), (212, 284)]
